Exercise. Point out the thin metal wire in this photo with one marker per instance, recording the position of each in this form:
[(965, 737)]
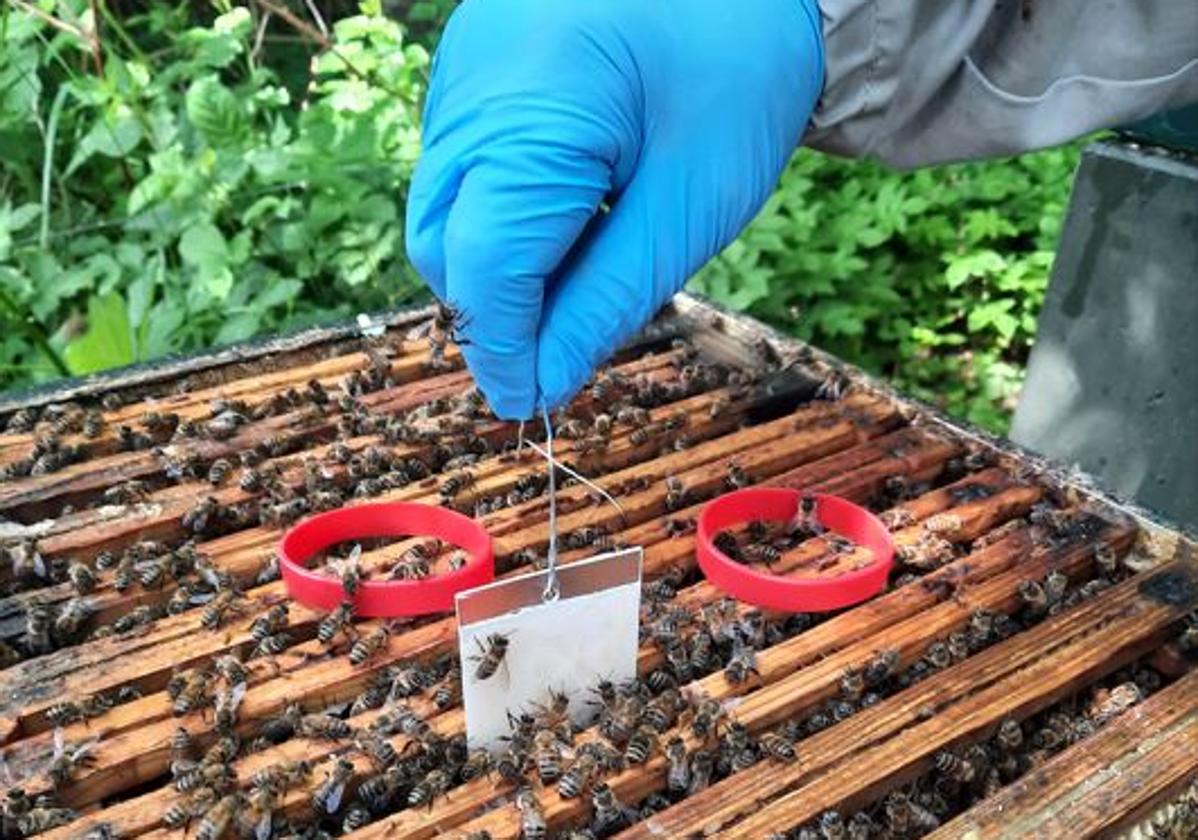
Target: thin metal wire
[(552, 592), (579, 477)]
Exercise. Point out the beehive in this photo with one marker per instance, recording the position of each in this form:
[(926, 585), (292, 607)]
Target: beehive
[(958, 703)]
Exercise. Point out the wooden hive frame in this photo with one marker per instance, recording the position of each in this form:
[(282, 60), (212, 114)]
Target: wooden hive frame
[(868, 444)]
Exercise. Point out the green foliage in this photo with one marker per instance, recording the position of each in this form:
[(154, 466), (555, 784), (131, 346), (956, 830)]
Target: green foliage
[(932, 278), (188, 199), (208, 185)]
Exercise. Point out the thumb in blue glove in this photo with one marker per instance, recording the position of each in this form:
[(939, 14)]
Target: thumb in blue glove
[(680, 114)]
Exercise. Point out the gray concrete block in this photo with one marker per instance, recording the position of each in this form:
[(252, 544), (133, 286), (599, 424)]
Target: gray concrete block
[(1112, 384)]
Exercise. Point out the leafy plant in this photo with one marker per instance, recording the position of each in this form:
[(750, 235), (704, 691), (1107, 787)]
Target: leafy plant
[(187, 199), (194, 175), (932, 278)]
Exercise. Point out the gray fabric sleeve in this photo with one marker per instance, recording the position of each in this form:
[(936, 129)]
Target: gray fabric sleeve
[(916, 82)]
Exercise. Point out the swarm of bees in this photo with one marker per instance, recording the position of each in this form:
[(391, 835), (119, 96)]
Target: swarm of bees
[(382, 750), (960, 777)]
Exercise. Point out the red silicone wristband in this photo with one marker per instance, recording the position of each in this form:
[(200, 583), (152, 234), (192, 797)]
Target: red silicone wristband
[(376, 598), (789, 594)]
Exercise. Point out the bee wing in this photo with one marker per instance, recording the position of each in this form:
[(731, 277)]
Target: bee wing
[(263, 827), (59, 742), (39, 567), (84, 748), (198, 598), (236, 693), (209, 576), (333, 801), (355, 554)]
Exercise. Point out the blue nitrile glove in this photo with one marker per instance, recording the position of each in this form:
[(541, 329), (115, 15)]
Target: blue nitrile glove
[(680, 113)]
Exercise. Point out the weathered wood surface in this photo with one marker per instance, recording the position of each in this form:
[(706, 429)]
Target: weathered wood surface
[(1140, 760), (862, 446)]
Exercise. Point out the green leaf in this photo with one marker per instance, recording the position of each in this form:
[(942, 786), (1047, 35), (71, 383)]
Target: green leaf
[(277, 293), (978, 264), (215, 112), (204, 247), (114, 135), (996, 314), (108, 341), (238, 327)]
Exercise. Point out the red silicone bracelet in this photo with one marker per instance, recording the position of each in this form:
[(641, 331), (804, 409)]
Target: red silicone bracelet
[(376, 598), (789, 594)]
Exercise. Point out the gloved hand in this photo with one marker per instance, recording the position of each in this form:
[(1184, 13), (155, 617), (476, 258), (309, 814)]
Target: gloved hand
[(679, 113)]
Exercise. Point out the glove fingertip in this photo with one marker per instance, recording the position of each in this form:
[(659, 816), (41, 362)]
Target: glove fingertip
[(561, 372), (508, 382)]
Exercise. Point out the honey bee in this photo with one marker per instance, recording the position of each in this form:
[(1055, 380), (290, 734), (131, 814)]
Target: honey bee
[(708, 716), (72, 618), (325, 726), (852, 684), (182, 812), (676, 493), (1106, 559), (511, 763), (356, 816), (533, 825), (905, 817), (456, 483), (937, 656), (883, 665), (678, 774), (126, 493), (478, 763), (219, 471), (435, 783), (547, 756), (270, 622), (943, 523), (954, 767), (227, 702), (1109, 704), (492, 654), (326, 799), (1034, 598), (741, 664), (220, 817), (377, 749), (411, 567), (43, 817), (369, 645), (222, 752), (610, 814), (737, 751), (719, 407), (68, 758), (350, 570), (198, 518), (577, 776), (588, 535), (958, 646), (257, 817), (282, 776), (406, 680), (227, 602), (1055, 585), (193, 691), (272, 645), (340, 619), (778, 746), (278, 729), (641, 745), (701, 768), (807, 516)]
